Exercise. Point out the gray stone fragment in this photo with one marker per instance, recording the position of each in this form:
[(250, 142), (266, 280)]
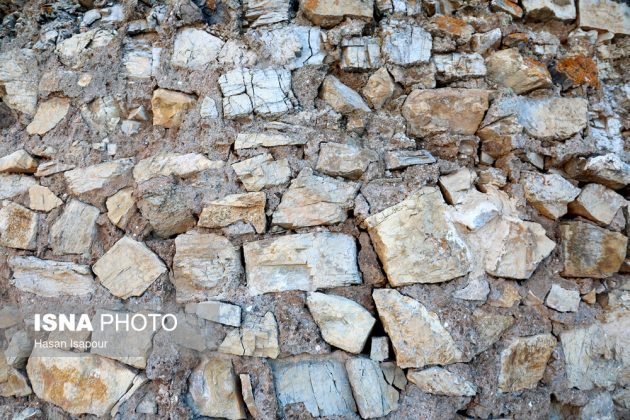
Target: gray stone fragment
[(398, 159), (360, 54), (373, 395), (404, 44), (341, 98), (74, 231)]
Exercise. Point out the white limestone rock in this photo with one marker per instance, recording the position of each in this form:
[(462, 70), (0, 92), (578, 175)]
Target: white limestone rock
[(120, 207), (48, 115), (128, 268), (101, 178), (308, 262), (18, 162), (563, 300), (265, 12), (51, 278), (417, 335), (373, 395), (344, 160), (439, 381), (167, 164), (12, 185), (18, 226), (266, 139), (19, 76), (74, 231), (605, 15), (341, 98), (301, 46), (262, 172), (343, 322), (548, 193), (313, 200), (195, 49), (398, 159), (257, 337), (379, 88), (204, 266), (77, 49), (247, 208), (459, 66), (379, 349), (549, 9), (214, 389), (597, 203), (421, 223), (404, 44), (360, 54)]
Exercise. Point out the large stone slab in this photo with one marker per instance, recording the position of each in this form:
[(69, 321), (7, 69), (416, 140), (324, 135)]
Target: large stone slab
[(247, 208), (417, 335), (321, 385), (128, 268), (373, 395), (343, 322), (548, 193), (549, 9), (308, 262), (13, 184), (18, 227), (105, 178), (597, 203), (42, 199), (78, 383), (606, 15), (405, 44), (204, 265), (214, 389), (342, 98), (313, 200), (417, 242), (258, 337), (74, 231), (591, 251), (170, 107), (445, 110), (344, 160), (19, 76), (51, 278), (266, 139), (523, 362), (178, 164)]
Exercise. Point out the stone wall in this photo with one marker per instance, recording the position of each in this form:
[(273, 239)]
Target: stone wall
[(356, 208)]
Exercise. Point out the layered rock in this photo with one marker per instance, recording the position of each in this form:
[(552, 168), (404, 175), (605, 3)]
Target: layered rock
[(597, 203), (549, 193), (328, 13), (405, 45), (523, 362), (74, 231), (166, 164), (307, 262), (607, 15), (18, 162), (246, 208), (262, 171), (373, 395), (440, 381), (418, 336), (214, 389), (18, 227), (51, 278), (342, 98), (257, 337), (344, 160), (104, 178)]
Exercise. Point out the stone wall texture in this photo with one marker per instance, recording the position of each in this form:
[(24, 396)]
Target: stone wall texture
[(401, 209)]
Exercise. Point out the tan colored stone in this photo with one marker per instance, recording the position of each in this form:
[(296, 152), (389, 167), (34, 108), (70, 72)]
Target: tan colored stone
[(167, 164), (19, 76), (344, 160), (247, 392), (262, 172), (18, 226), (313, 200), (328, 13), (79, 383), (439, 381), (257, 337), (343, 322), (445, 110), (120, 207), (420, 223), (169, 107), (342, 98), (18, 162), (266, 139), (74, 231), (455, 186), (563, 300), (213, 386), (248, 208), (42, 199), (549, 9), (374, 396), (597, 203), (590, 251), (52, 167), (51, 278), (15, 384), (204, 266), (523, 362), (308, 262), (548, 193), (501, 137), (508, 68), (103, 178), (605, 15), (504, 295), (128, 268), (48, 115), (379, 88), (417, 335)]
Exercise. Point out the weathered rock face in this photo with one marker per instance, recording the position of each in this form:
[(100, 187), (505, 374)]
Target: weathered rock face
[(176, 164), (48, 115), (18, 227), (422, 223), (12, 185), (120, 207), (195, 49), (344, 160), (308, 262), (265, 12), (549, 194), (457, 66), (597, 203), (262, 172), (223, 313), (608, 15), (341, 98), (128, 268), (214, 389), (169, 107), (74, 231), (19, 77), (257, 337), (361, 53), (42, 199), (80, 384), (247, 208), (328, 13), (523, 362), (590, 251), (446, 110), (321, 385), (343, 322), (51, 278), (405, 45), (379, 88), (608, 170), (313, 200), (549, 9), (563, 300), (204, 264), (373, 395), (508, 68), (105, 178), (417, 335), (269, 139), (19, 162), (440, 381)]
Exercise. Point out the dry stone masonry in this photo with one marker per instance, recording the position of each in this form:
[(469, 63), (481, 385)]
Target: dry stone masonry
[(354, 209)]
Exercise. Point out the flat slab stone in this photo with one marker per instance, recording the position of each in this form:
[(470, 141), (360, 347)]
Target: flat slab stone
[(337, 159), (247, 208), (308, 262), (523, 362), (18, 227), (417, 242), (262, 171), (195, 49), (178, 164), (51, 278), (18, 162), (606, 15), (223, 313), (374, 396), (439, 381), (13, 184), (417, 335), (74, 231), (328, 13), (128, 268), (266, 139), (257, 337), (104, 177), (48, 115)]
